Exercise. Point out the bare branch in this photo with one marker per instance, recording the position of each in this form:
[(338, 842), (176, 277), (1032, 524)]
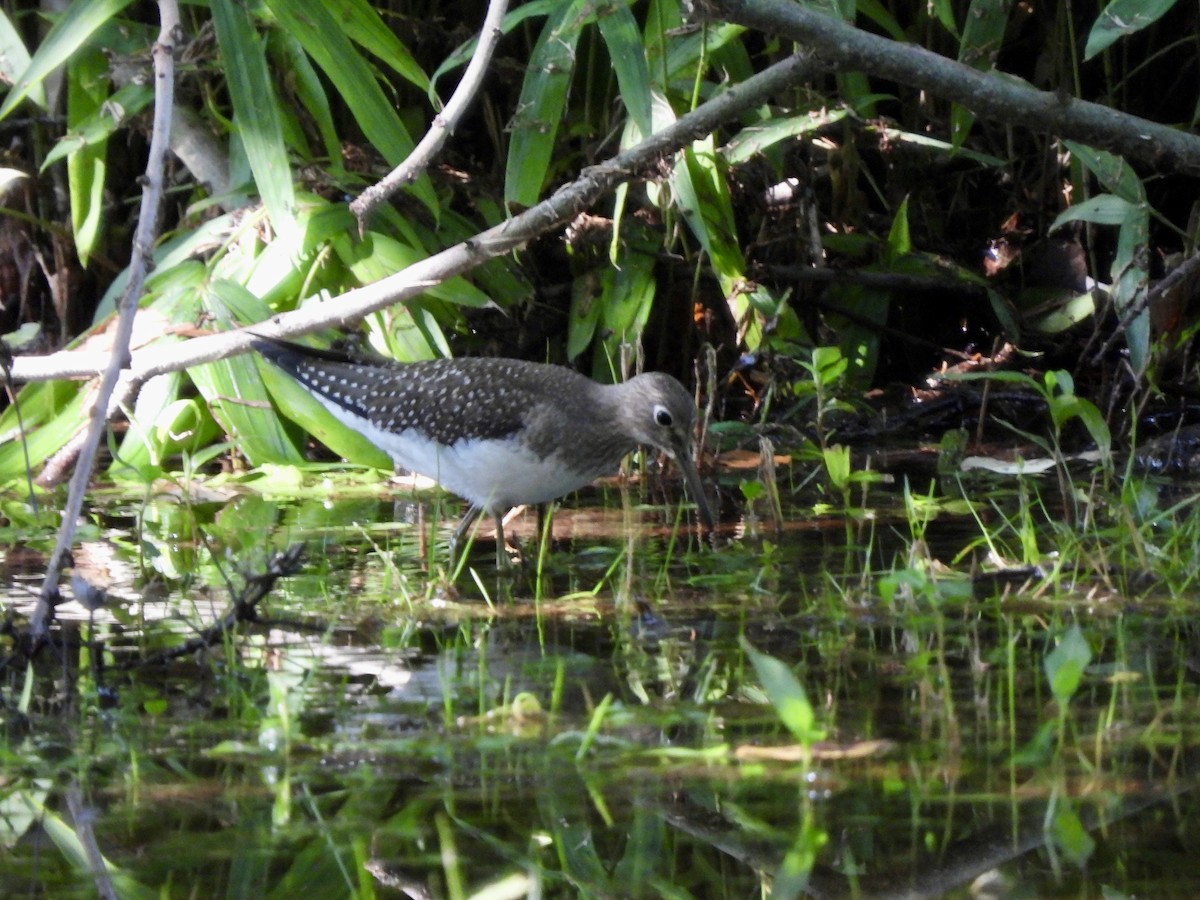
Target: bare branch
[(243, 608), (443, 124), (119, 359), (1003, 98), (82, 817)]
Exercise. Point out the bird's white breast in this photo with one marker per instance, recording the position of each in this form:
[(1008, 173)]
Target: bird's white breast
[(494, 474)]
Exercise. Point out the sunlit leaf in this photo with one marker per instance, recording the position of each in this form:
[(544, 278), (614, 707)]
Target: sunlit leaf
[(542, 102), (899, 240), (310, 92), (87, 94), (315, 26), (1071, 311), (837, 465), (362, 24), (620, 32), (1121, 18), (52, 414), (786, 695), (751, 141), (71, 28), (256, 112), (233, 387), (162, 424), (299, 406), (1111, 170), (14, 59), (383, 255), (97, 127)]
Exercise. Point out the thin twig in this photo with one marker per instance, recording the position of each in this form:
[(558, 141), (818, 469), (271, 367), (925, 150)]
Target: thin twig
[(443, 124), (81, 818), (119, 359), (1185, 269)]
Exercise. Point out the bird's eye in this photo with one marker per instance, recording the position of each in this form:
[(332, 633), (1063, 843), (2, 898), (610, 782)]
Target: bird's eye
[(662, 416)]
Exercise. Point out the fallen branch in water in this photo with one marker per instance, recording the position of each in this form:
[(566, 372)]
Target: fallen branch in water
[(244, 608)]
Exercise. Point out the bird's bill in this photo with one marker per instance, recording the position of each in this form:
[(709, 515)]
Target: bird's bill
[(695, 487)]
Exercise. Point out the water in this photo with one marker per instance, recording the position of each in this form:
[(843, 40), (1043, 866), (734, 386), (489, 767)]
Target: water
[(594, 726)]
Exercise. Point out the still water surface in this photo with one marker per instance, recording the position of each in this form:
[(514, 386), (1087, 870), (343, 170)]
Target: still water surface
[(595, 724)]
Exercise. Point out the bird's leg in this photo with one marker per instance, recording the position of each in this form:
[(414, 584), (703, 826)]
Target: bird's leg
[(502, 561), (461, 531)]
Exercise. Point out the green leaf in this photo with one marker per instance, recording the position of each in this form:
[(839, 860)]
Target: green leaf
[(74, 26), (702, 195), (1131, 282), (983, 33), (1066, 663), (1120, 18), (161, 424), (752, 490), (382, 255), (899, 240), (752, 141), (1117, 176), (586, 308), (1065, 405), (101, 124), (828, 365), (881, 16), (310, 92), (362, 24), (300, 407), (22, 337), (1103, 209), (1069, 835), (52, 413), (68, 843), (542, 102), (1068, 313), (684, 53), (620, 32), (837, 465), (14, 59), (628, 295), (791, 879), (233, 387), (256, 113), (87, 92), (318, 31), (982, 36), (786, 695)]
